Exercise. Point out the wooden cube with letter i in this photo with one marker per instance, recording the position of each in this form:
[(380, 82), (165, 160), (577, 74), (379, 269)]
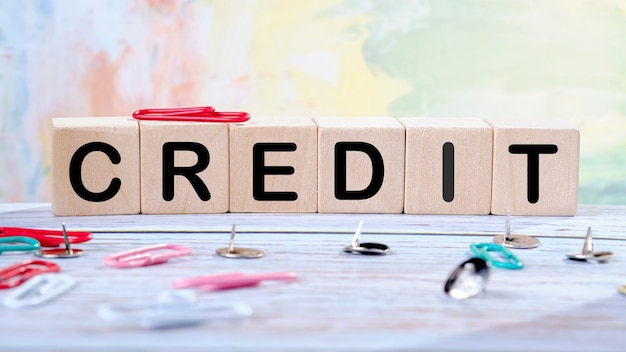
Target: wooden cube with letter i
[(184, 167), (361, 165), (448, 166), (95, 166), (535, 168), (273, 165)]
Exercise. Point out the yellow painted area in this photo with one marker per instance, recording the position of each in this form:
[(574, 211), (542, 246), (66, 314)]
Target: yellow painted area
[(284, 31)]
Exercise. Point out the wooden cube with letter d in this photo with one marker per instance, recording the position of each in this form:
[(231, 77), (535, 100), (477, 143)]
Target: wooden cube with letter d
[(361, 165)]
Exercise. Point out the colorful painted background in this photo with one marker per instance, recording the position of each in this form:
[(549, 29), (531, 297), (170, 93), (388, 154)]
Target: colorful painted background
[(557, 59)]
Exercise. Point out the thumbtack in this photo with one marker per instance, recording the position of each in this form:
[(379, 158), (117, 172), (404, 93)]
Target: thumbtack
[(67, 252), (468, 279), (588, 254), (515, 241), (238, 252), (369, 248)]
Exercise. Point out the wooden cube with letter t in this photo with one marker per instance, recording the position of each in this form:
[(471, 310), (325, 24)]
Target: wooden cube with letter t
[(95, 166), (273, 165), (535, 168), (184, 167), (448, 166), (361, 165)]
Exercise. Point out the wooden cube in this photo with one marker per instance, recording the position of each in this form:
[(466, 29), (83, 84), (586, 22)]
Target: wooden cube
[(273, 165), (95, 166), (184, 167), (448, 166), (535, 168), (361, 165)]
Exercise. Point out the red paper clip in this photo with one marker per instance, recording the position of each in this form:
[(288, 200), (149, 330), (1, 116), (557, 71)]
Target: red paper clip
[(198, 114), (17, 274), (47, 238)]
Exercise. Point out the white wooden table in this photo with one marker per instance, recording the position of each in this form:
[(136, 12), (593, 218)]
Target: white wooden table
[(341, 301)]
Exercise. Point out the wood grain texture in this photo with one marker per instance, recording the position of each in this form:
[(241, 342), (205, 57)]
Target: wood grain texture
[(557, 175), (98, 171), (340, 302), (212, 139), (387, 136), (471, 142), (299, 132)]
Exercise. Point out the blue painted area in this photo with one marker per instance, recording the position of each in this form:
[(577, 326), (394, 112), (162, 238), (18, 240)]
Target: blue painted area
[(20, 96), (45, 7)]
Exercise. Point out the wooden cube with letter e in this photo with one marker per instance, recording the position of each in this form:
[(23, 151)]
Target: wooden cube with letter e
[(448, 166), (95, 166), (535, 168), (361, 165), (273, 165), (184, 167)]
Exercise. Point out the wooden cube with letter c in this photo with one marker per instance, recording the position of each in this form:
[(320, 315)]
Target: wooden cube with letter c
[(184, 167), (95, 166), (273, 165), (535, 168), (361, 165)]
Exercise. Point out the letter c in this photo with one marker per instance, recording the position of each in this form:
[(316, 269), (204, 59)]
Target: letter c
[(76, 178)]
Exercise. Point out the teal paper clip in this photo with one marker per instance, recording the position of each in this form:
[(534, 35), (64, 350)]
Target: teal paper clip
[(18, 244), (510, 261)]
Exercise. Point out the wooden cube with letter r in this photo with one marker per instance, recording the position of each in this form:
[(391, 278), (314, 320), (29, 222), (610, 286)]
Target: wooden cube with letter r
[(273, 165), (184, 167), (535, 168), (361, 165), (95, 166)]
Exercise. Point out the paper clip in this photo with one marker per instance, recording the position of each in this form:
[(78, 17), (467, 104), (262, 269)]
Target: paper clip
[(481, 250), (145, 256), (18, 244), (40, 289), (231, 280), (17, 274), (47, 238), (198, 114), (173, 310)]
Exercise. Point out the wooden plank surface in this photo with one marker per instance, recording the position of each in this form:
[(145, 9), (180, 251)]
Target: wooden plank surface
[(340, 302)]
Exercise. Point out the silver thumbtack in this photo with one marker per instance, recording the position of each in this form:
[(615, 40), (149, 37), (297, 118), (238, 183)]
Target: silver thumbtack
[(67, 252), (588, 254), (515, 241), (468, 279), (237, 252), (365, 248)]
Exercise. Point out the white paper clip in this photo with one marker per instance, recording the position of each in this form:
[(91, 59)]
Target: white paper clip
[(176, 309), (38, 290)]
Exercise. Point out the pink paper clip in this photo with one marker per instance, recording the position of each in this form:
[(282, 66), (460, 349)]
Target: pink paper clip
[(231, 280), (145, 256), (198, 114)]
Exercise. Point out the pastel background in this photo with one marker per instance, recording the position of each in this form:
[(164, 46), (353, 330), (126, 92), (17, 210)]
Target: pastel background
[(557, 59)]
